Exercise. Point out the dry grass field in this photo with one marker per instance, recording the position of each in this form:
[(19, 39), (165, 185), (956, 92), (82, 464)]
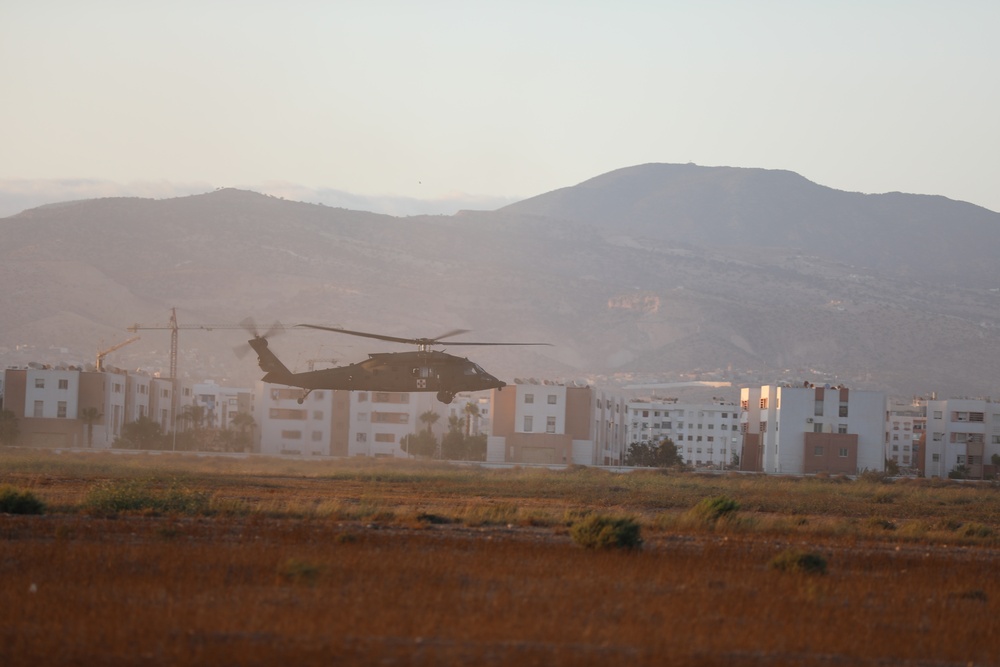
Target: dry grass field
[(171, 560)]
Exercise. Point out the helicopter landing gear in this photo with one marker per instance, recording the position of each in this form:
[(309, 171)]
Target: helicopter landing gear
[(445, 396), (302, 398)]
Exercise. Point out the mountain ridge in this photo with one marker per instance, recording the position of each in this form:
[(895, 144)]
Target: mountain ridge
[(653, 283)]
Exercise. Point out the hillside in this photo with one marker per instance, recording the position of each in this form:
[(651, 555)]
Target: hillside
[(656, 272)]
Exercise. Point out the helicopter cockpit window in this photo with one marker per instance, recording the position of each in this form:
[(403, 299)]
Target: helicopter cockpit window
[(474, 369)]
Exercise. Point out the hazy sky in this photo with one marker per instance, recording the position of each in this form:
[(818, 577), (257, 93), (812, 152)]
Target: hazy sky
[(495, 100)]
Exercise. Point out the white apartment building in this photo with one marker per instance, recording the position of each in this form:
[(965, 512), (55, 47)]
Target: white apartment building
[(809, 429), (381, 419), (221, 404), (962, 434), (554, 423), (904, 431), (706, 434), (318, 426)]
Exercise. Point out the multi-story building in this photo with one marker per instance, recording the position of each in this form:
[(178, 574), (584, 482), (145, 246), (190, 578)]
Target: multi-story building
[(963, 435), (904, 432), (318, 426), (67, 407), (809, 429), (556, 424), (706, 434), (221, 404), (381, 419)]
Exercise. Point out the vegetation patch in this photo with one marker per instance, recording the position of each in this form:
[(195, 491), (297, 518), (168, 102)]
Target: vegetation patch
[(598, 531), (13, 501), (710, 511), (133, 495), (792, 560)]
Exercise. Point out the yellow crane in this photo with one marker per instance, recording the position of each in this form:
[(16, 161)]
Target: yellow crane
[(104, 353)]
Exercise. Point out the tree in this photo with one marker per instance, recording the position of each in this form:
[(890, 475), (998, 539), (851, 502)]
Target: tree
[(89, 416), (475, 447), (453, 446), (193, 415), (422, 444), (9, 430), (244, 422), (143, 433), (653, 455), (429, 418), (471, 412), (891, 468)]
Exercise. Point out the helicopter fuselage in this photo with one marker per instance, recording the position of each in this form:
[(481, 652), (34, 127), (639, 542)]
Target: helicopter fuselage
[(421, 371)]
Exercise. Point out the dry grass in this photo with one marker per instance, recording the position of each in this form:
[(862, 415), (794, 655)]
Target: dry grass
[(362, 563)]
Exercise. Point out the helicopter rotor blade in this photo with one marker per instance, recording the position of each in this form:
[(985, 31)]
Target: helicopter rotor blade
[(363, 334), (422, 342), (250, 325)]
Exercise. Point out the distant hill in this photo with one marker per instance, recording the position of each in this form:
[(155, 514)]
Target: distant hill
[(924, 237), (650, 273)]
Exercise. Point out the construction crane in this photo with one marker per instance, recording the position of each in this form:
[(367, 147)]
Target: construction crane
[(104, 353), (173, 327)]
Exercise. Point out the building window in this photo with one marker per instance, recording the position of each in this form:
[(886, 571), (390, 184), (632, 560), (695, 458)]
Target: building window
[(552, 399), (317, 436), (291, 435), (385, 437), (818, 410), (763, 404), (529, 398), (317, 414), (817, 428), (843, 452), (39, 383), (361, 437), (38, 409), (64, 384), (362, 396), (550, 424), (935, 458), (841, 428), (843, 409), (817, 451), (61, 410), (528, 423)]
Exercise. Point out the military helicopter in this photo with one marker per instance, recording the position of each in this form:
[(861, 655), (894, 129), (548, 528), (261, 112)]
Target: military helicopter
[(423, 370)]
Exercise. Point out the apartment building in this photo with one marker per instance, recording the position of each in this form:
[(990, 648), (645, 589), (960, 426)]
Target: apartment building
[(810, 429), (904, 434), (963, 435), (52, 405), (319, 426), (554, 423), (706, 434), (381, 419)]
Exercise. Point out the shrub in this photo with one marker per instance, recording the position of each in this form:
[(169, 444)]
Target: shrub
[(604, 532), (13, 501), (799, 561), (295, 571), (710, 510)]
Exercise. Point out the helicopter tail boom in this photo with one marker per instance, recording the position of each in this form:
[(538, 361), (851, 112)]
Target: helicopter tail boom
[(269, 362)]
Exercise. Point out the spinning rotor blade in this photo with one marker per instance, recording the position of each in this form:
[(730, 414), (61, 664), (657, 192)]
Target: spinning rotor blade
[(422, 342), (392, 339), (251, 328)]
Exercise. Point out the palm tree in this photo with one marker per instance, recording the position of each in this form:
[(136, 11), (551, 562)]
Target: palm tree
[(429, 418), (88, 416), (471, 412)]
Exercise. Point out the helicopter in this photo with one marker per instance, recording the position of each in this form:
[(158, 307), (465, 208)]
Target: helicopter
[(424, 370)]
